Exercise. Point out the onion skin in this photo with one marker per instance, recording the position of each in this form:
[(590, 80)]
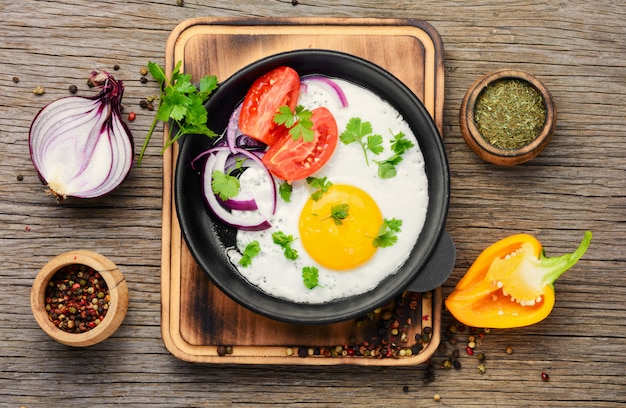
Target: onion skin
[(80, 146)]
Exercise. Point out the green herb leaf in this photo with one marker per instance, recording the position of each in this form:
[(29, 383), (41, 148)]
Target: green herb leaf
[(157, 72), (226, 186), (321, 184), (310, 277), (284, 240), (356, 131), (400, 144), (284, 190), (387, 168), (251, 250), (285, 117), (180, 104), (299, 122), (387, 233), (338, 213)]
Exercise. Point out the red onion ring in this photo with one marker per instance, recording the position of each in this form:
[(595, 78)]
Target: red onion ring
[(329, 85), (245, 216)]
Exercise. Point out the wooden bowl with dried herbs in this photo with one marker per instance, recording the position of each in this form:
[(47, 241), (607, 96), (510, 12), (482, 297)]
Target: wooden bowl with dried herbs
[(79, 298), (507, 117)]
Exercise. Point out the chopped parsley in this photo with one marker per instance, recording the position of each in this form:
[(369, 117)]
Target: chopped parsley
[(361, 133), (251, 250), (284, 240), (310, 277), (321, 184), (299, 122), (181, 103), (387, 233)]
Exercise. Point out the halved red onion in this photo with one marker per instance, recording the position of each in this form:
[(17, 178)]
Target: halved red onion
[(241, 211), (79, 145), (327, 83)]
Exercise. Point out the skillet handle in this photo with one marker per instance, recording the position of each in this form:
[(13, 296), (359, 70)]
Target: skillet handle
[(438, 268)]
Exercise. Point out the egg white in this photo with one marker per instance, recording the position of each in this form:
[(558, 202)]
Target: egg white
[(404, 197)]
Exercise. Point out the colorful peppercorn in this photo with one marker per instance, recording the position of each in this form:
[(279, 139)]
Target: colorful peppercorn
[(77, 298)]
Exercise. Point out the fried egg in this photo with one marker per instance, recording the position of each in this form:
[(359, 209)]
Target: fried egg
[(347, 261)]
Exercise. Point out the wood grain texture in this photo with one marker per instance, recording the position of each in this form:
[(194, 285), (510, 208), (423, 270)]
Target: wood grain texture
[(575, 48)]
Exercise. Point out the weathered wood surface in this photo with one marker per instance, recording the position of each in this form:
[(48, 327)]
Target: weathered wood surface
[(576, 48)]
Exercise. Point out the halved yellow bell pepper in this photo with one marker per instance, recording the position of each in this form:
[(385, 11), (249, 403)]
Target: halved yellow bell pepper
[(511, 283)]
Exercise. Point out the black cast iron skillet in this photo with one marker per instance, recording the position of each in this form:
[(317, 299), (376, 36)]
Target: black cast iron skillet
[(431, 260)]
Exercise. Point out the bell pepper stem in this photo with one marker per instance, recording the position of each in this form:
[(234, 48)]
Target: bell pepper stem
[(555, 266)]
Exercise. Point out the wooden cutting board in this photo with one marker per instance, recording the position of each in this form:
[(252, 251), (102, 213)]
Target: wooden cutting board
[(199, 323)]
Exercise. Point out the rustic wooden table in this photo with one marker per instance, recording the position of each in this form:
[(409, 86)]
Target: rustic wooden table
[(576, 48)]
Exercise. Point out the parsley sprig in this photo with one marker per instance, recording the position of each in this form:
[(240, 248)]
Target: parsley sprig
[(251, 250), (284, 241), (338, 213), (387, 233), (321, 186), (399, 145), (181, 103), (284, 190), (224, 185), (362, 133), (299, 122)]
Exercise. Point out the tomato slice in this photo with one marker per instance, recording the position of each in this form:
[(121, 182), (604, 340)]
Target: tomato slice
[(290, 159), (278, 87)]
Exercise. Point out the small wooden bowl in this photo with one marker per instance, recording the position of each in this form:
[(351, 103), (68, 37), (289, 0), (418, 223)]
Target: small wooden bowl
[(495, 154), (118, 303)]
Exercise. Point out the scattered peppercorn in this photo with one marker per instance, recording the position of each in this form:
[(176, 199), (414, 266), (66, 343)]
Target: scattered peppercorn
[(39, 90), (481, 357), (405, 389), (469, 351), (221, 351), (16, 79), (132, 116), (20, 177), (143, 103), (116, 67), (481, 368), (545, 376), (73, 89), (143, 71), (73, 299), (150, 107), (509, 350), (180, 3), (437, 397), (143, 80), (294, 2)]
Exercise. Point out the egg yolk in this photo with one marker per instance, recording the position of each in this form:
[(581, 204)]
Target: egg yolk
[(345, 241)]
